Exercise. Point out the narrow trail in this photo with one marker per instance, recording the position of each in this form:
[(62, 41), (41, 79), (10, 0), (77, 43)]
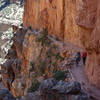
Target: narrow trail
[(79, 74)]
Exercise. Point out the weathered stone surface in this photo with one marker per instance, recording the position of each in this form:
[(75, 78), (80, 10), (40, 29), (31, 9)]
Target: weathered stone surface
[(77, 21), (60, 90), (32, 55), (47, 84)]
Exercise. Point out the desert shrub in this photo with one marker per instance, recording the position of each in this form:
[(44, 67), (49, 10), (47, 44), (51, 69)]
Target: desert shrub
[(57, 39), (34, 87), (59, 57), (31, 63), (32, 66), (43, 38), (18, 98), (59, 75)]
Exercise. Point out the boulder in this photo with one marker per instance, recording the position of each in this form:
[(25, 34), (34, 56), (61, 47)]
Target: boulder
[(73, 88), (47, 85), (82, 96), (51, 89)]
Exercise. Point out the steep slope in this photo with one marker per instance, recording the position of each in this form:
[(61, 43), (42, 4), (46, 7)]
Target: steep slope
[(77, 21)]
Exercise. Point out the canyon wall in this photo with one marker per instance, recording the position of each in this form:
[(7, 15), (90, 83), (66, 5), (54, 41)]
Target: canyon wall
[(76, 21)]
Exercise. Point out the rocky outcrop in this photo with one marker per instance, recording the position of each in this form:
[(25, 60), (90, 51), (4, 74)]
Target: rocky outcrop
[(77, 21), (52, 89), (32, 54)]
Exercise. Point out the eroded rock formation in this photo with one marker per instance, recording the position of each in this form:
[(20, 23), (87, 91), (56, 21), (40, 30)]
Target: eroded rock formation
[(77, 21), (32, 54)]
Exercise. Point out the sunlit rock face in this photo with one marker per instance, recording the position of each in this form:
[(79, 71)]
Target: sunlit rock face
[(88, 18), (32, 54), (77, 21)]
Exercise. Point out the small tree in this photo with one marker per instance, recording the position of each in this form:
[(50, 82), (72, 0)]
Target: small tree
[(59, 75)]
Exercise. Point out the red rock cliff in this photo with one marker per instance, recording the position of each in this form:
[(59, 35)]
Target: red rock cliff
[(77, 21)]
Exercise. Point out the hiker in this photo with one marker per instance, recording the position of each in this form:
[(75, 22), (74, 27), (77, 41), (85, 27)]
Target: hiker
[(78, 58), (84, 56)]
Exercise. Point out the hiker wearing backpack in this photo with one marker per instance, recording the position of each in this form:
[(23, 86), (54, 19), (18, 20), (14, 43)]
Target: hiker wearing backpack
[(84, 56), (78, 58)]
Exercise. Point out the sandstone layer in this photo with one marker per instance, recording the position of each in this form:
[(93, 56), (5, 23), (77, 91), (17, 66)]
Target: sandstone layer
[(77, 21)]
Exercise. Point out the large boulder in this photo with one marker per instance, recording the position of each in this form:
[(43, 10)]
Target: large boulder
[(72, 88), (51, 89), (47, 85)]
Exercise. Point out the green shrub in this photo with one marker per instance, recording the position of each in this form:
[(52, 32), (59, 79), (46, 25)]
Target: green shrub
[(32, 66), (43, 38), (34, 87), (57, 39), (59, 57), (31, 63), (59, 75), (19, 97)]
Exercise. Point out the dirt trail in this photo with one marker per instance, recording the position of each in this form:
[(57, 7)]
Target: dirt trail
[(79, 72), (80, 75)]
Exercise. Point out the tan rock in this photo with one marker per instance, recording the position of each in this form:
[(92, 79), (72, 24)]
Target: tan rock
[(76, 21)]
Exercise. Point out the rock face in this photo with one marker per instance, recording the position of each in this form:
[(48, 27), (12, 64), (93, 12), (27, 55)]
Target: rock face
[(32, 54), (77, 21)]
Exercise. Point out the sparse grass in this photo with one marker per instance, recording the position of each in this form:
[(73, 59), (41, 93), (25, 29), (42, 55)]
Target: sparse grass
[(43, 38), (57, 39), (34, 87), (19, 97), (59, 57), (32, 66)]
